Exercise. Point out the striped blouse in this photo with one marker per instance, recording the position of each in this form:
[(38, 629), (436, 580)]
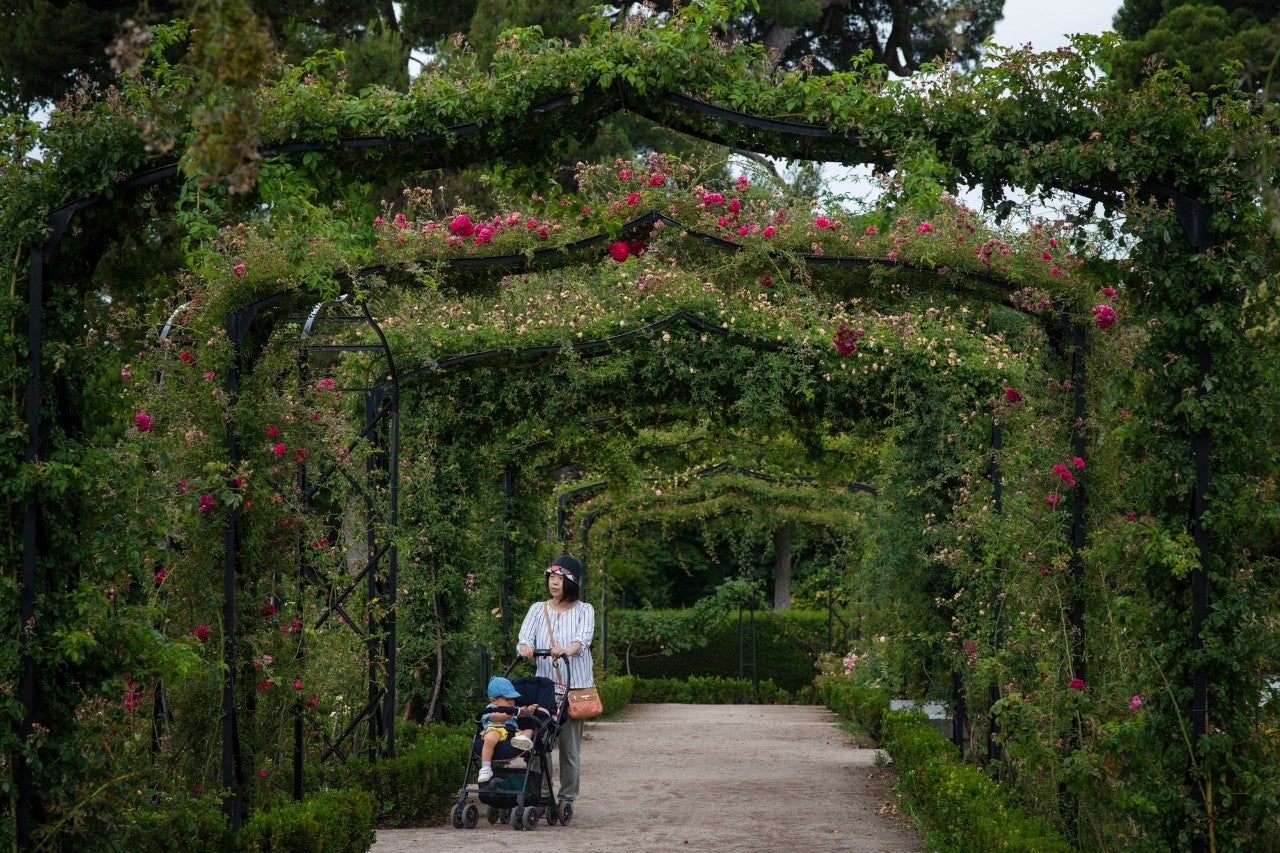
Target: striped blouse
[(578, 624)]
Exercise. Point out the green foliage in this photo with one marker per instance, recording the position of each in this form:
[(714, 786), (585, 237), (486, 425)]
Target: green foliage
[(929, 376), (1219, 45), (707, 642), (616, 692), (416, 786), (961, 809), (710, 690), (338, 821), (861, 704)]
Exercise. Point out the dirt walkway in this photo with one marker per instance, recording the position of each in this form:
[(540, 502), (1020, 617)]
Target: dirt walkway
[(706, 777)]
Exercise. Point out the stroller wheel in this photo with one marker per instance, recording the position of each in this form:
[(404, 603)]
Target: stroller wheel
[(553, 814), (517, 819), (505, 815), (493, 814), (531, 818), (566, 813), (470, 815), (455, 816)]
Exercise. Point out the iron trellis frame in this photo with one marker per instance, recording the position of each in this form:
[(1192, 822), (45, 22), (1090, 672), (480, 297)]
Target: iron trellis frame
[(673, 110)]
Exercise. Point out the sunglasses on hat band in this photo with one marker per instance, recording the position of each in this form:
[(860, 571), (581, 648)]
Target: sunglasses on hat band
[(562, 572)]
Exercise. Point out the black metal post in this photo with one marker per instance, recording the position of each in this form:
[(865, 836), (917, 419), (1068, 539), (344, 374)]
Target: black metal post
[(997, 589), (393, 579), (604, 615), (1070, 809), (30, 545), (1200, 447), (297, 751), (372, 402), (1077, 508), (508, 553), (831, 604), (232, 777), (741, 647)]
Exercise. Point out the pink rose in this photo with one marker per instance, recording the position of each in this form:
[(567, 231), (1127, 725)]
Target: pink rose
[(238, 269), (462, 225), (619, 251), (846, 339), (1012, 395), (142, 421), (1076, 684)]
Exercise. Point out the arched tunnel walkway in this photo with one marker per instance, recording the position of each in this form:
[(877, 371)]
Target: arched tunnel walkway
[(707, 777)]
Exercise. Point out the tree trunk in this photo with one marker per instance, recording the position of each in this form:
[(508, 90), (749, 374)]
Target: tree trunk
[(782, 568)]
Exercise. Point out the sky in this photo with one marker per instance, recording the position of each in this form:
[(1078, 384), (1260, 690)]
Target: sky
[(1045, 23)]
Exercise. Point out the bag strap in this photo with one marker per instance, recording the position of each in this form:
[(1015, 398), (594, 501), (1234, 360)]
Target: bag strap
[(555, 664)]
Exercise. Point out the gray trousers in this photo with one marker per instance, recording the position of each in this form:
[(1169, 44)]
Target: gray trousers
[(570, 745)]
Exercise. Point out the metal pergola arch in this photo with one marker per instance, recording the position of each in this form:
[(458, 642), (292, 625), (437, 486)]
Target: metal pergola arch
[(673, 110)]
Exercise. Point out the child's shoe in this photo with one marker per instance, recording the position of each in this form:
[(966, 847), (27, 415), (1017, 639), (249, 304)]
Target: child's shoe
[(522, 742), (486, 773)]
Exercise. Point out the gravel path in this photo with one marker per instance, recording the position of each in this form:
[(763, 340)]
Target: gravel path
[(706, 777)]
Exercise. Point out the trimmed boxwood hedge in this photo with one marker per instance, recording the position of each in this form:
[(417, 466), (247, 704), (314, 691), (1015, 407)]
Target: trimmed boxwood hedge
[(710, 690), (865, 706), (787, 645), (339, 821), (962, 810)]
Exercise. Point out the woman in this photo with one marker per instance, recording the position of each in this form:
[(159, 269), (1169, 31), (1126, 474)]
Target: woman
[(565, 625)]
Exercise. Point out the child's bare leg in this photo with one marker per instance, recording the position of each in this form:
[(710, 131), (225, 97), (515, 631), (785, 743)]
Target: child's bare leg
[(486, 749)]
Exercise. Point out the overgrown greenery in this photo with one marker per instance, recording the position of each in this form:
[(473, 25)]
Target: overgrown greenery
[(893, 373)]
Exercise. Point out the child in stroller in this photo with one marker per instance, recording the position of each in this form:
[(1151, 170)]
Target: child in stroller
[(517, 795), (498, 721)]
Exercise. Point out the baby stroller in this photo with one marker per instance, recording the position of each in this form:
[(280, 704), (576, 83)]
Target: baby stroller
[(520, 796)]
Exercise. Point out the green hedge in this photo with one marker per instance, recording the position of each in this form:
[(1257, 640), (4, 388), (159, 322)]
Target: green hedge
[(615, 693), (710, 690), (178, 823), (326, 822), (417, 786), (787, 646), (962, 809), (865, 706)]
